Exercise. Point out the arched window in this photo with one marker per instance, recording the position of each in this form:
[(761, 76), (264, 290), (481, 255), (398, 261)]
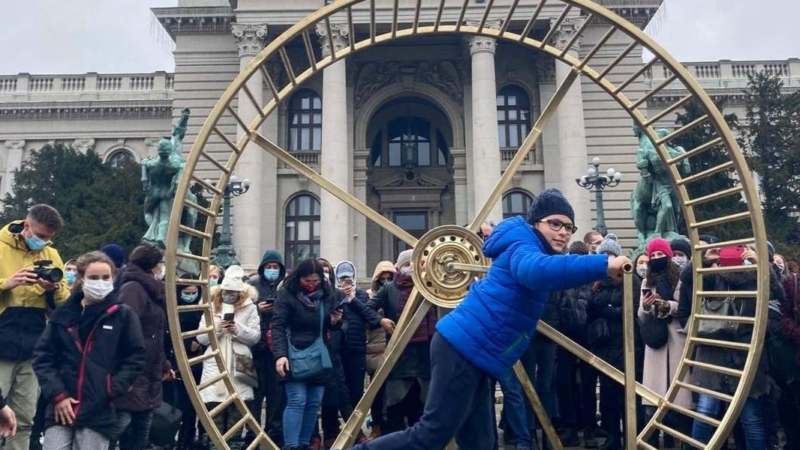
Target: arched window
[(516, 203), (513, 116), (305, 122), (120, 157), (302, 229)]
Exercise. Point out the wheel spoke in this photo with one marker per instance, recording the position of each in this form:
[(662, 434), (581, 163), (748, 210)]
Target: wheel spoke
[(537, 406), (527, 145), (333, 189), (353, 425)]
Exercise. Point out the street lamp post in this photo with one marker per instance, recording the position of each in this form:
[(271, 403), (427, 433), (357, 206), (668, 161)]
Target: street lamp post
[(224, 254), (597, 182)]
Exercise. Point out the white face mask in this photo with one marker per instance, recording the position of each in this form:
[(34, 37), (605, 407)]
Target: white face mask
[(96, 290), (161, 273), (641, 271), (406, 270), (680, 261)]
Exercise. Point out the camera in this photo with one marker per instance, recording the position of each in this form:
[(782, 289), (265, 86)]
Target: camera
[(45, 270)]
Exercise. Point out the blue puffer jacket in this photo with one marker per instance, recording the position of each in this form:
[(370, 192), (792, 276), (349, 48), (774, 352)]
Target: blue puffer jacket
[(493, 326)]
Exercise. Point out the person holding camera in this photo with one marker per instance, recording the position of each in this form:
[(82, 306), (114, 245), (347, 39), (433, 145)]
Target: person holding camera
[(271, 273), (31, 282)]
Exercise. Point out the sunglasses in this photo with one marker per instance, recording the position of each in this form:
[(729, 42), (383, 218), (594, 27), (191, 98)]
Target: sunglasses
[(557, 225)]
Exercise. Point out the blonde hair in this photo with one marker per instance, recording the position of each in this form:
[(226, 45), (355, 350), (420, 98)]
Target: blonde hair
[(216, 299)]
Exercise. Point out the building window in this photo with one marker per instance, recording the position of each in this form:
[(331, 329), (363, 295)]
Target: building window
[(302, 229), (513, 117), (120, 157), (516, 203), (414, 222), (305, 122)]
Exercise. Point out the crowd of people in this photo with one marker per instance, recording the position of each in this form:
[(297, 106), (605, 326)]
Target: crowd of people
[(86, 361)]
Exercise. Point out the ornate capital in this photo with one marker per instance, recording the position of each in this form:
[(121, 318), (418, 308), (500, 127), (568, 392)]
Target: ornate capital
[(341, 37), (250, 37), (16, 145), (481, 44), (83, 145), (566, 31)]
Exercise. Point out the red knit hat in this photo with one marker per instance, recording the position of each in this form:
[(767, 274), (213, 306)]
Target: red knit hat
[(661, 245)]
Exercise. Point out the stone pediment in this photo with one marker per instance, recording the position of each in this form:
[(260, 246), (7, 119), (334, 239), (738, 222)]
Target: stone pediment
[(444, 75), (404, 180)]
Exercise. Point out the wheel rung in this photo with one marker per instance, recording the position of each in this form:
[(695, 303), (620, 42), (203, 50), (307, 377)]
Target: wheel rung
[(237, 427), (253, 100), (238, 119), (416, 17), (225, 138), (577, 34), (191, 308), (205, 211), (701, 390), (222, 406), (727, 269), (705, 174), (193, 232), (271, 83), (680, 436), (554, 27), (738, 319), (715, 196), (208, 186), (665, 112), (721, 343), (721, 220), (192, 257), (617, 60), (723, 294), (714, 368), (191, 282), (598, 46), (211, 381), (197, 332), (257, 441), (486, 12), (682, 130), (633, 77), (395, 9), (645, 445), (372, 19), (529, 25), (696, 151), (436, 23), (461, 14), (213, 161), (695, 415), (658, 88), (287, 66), (509, 15), (351, 29), (745, 241), (203, 357)]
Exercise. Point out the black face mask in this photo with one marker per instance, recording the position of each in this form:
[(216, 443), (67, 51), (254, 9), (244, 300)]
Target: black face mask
[(658, 264), (708, 262)]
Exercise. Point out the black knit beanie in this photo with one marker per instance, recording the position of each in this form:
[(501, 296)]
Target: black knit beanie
[(549, 202)]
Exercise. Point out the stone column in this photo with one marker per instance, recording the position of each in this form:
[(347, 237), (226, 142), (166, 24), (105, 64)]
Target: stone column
[(336, 158), (572, 138), (247, 211), (485, 157), (14, 150)]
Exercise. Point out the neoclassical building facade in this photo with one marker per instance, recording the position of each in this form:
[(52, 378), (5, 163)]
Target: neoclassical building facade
[(420, 129)]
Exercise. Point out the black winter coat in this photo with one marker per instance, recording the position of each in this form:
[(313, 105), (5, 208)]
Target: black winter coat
[(267, 292), (606, 304), (358, 315), (293, 317), (144, 295), (92, 355)]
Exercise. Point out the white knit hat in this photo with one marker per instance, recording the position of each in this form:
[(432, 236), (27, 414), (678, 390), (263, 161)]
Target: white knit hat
[(234, 279)]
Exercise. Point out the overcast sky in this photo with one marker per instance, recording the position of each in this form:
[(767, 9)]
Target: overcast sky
[(75, 36)]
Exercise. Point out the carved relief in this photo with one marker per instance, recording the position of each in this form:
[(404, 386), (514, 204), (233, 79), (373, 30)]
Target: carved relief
[(83, 145), (250, 37), (341, 37), (444, 75)]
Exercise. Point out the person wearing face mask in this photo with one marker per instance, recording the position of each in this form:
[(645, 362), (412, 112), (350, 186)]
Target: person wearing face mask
[(70, 272), (238, 328), (215, 275), (305, 312), (407, 384), (383, 274), (271, 272), (640, 266), (658, 310), (681, 252), (143, 292), (489, 331), (26, 299), (89, 355)]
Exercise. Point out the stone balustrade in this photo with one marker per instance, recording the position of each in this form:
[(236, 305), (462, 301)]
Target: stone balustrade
[(24, 86), (726, 74)]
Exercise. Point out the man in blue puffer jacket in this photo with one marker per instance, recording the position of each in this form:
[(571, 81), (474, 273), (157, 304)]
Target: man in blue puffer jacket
[(488, 332)]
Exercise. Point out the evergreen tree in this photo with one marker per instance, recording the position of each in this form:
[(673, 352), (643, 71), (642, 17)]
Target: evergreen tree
[(99, 203)]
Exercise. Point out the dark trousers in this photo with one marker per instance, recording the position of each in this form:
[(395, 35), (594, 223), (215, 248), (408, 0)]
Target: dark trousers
[(175, 394), (405, 413), (336, 400), (789, 411), (137, 429), (270, 390), (587, 414), (568, 389), (612, 404), (355, 369), (459, 405)]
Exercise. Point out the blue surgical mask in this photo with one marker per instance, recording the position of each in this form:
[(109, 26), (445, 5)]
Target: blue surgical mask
[(213, 282), (271, 274), (70, 277), (35, 243), (187, 297)]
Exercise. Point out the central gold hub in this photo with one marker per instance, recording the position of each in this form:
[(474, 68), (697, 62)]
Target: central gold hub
[(433, 260)]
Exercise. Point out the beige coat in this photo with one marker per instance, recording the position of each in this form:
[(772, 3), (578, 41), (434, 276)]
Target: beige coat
[(376, 339), (660, 364)]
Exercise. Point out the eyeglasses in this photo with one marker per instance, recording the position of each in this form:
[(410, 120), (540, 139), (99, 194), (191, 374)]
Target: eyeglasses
[(557, 225)]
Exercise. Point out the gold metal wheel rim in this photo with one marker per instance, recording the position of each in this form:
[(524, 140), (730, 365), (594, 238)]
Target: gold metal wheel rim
[(579, 66)]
